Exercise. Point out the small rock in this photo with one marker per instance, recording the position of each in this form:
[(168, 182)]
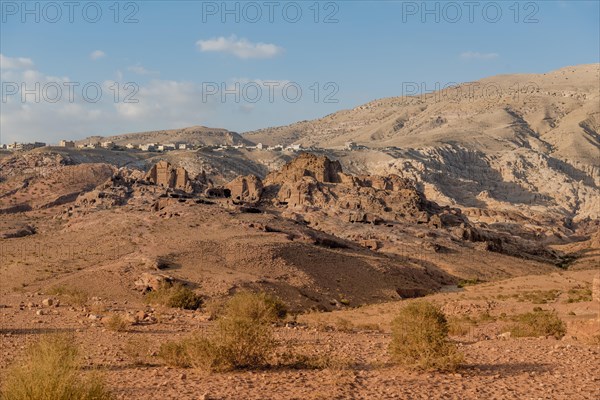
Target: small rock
[(141, 315), (47, 302), (504, 335)]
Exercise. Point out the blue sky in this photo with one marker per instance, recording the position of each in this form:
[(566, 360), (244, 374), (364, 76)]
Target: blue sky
[(176, 58)]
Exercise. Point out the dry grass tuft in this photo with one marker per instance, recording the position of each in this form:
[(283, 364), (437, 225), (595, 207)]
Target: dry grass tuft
[(420, 339), (538, 323), (243, 338), (579, 295), (50, 371), (117, 323), (176, 354), (175, 296), (71, 295)]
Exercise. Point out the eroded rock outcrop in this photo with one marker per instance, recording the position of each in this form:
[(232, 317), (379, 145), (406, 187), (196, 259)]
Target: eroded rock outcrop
[(168, 176), (315, 182), (321, 168), (245, 189)]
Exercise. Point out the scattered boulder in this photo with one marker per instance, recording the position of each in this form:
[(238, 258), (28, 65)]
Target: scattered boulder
[(47, 302), (148, 281), (371, 244)]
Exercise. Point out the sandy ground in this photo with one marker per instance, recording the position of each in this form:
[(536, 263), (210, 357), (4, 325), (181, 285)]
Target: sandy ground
[(495, 367)]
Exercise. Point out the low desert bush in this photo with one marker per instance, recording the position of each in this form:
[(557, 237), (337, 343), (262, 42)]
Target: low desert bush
[(50, 371), (175, 296), (420, 339), (579, 295), (175, 354), (344, 325), (260, 307), (71, 295), (538, 296), (242, 339), (538, 323), (468, 282), (117, 323)]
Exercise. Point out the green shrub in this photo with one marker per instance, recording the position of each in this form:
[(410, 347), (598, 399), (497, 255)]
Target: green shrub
[(259, 307), (175, 296), (420, 339), (538, 323), (50, 371), (243, 337)]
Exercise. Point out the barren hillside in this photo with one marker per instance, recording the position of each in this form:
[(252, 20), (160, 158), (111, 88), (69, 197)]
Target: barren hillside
[(512, 144), (194, 135)]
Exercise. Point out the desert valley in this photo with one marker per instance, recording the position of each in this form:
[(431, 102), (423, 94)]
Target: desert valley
[(321, 235)]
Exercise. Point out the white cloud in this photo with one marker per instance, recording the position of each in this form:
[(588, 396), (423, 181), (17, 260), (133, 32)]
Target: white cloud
[(140, 70), (49, 116), (247, 108), (97, 54), (15, 63), (241, 48), (474, 55), (161, 104)]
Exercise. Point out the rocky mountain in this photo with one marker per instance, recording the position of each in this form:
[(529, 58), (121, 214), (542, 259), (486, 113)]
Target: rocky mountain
[(507, 148), (312, 233), (194, 135)]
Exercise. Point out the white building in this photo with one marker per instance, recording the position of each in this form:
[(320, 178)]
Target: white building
[(67, 143), (148, 147), (108, 145), (24, 146), (166, 147)]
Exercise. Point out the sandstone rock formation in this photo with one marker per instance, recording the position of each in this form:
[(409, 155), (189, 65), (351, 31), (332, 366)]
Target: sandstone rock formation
[(246, 189), (164, 174), (148, 281), (43, 180), (322, 169), (529, 151), (312, 181)]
